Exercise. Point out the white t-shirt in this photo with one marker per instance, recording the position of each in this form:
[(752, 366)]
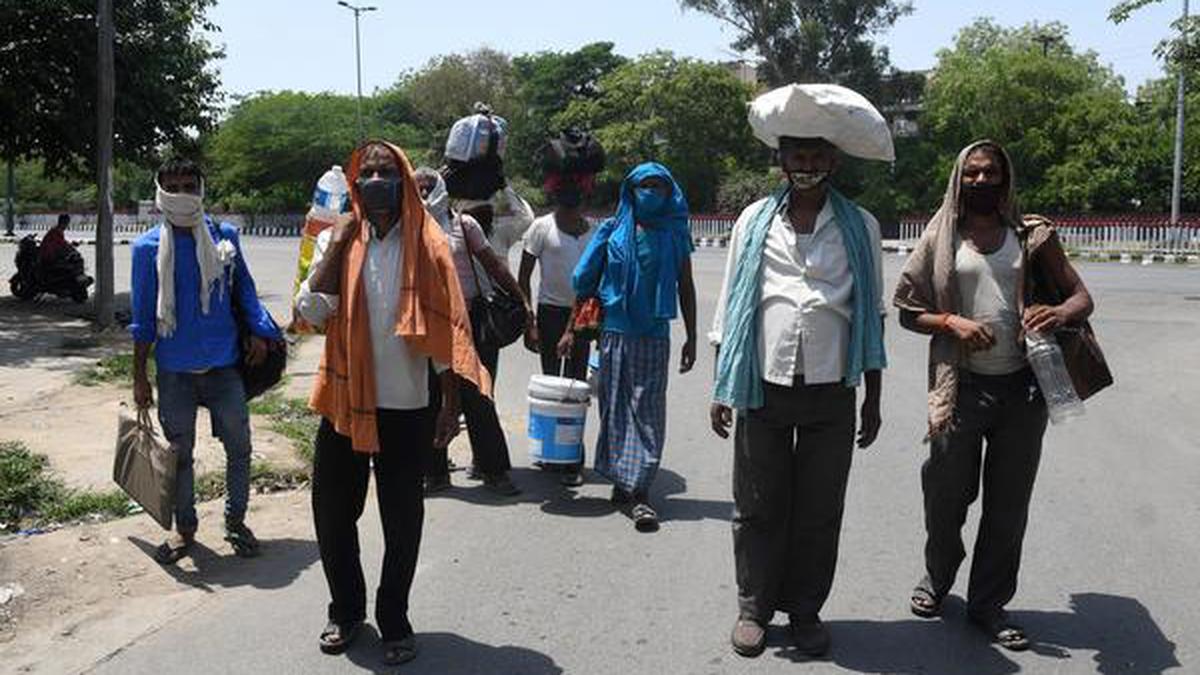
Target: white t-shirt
[(558, 253)]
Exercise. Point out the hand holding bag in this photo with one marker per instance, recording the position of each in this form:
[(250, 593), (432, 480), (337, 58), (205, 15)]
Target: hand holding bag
[(1081, 350), (144, 465), (497, 319)]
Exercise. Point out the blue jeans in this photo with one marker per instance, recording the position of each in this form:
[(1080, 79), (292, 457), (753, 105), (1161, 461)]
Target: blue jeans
[(220, 390)]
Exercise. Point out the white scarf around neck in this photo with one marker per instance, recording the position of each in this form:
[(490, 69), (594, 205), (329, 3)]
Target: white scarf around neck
[(181, 210)]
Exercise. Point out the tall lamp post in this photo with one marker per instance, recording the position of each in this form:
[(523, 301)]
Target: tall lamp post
[(358, 11), (1181, 98)]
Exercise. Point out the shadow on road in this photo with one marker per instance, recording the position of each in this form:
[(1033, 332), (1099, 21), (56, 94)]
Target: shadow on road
[(441, 653), (666, 490), (1119, 630), (52, 326), (279, 564)]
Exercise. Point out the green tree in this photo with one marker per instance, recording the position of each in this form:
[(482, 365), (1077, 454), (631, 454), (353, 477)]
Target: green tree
[(811, 40), (1062, 115), (689, 115), (271, 149), (167, 88)]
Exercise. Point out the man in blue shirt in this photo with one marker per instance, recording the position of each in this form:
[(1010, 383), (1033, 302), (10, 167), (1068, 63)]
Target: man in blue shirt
[(187, 275)]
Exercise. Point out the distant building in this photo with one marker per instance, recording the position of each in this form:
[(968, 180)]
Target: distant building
[(744, 71), (902, 100)]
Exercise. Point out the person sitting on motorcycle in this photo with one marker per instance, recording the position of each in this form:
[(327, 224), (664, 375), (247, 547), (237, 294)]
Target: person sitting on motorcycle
[(55, 241)]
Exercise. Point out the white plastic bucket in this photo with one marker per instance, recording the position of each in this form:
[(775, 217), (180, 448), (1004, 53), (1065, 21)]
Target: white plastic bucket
[(560, 389), (556, 431)]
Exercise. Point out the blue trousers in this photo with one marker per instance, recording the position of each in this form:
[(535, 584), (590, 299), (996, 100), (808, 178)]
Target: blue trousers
[(220, 390)]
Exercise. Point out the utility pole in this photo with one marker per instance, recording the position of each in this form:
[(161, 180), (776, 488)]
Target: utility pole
[(1181, 62), (362, 134), (104, 149), (10, 223), (1046, 39)]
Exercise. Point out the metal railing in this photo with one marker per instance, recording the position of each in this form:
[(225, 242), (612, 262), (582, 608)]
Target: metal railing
[(1106, 236)]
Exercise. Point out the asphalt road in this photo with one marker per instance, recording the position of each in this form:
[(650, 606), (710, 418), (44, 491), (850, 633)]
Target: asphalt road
[(556, 582)]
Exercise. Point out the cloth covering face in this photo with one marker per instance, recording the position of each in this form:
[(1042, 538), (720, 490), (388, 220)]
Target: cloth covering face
[(609, 266), (929, 283), (839, 115), (431, 314), (186, 211)]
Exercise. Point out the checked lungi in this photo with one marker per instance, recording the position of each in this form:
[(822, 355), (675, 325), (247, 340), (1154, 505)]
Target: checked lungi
[(633, 409)]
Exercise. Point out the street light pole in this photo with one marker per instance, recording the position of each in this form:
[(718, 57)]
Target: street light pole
[(1181, 63), (358, 58)]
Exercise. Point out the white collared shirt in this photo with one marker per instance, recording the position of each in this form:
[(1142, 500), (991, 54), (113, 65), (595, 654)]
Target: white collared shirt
[(806, 298), (401, 375)]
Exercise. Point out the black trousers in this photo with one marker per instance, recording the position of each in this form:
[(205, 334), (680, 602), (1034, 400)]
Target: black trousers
[(552, 323), (489, 446), (1008, 412), (339, 492), (791, 463)]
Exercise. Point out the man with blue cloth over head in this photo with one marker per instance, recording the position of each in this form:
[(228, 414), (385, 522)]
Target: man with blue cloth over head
[(799, 324), (638, 264)]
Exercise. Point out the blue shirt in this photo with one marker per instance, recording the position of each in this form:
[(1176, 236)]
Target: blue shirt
[(200, 341)]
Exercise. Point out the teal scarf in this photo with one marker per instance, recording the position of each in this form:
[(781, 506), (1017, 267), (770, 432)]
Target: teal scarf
[(739, 379)]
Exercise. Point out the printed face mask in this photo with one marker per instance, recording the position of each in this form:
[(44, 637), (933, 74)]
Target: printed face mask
[(380, 195), (982, 198), (806, 180)]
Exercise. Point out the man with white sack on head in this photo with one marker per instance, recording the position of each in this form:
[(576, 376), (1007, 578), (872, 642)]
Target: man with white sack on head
[(799, 324)]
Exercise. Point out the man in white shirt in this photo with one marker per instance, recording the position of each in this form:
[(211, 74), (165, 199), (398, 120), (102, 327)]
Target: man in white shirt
[(792, 453)]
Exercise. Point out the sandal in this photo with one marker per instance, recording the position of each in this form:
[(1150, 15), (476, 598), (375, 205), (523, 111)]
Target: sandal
[(924, 603), (174, 549), (396, 652), (644, 517), (336, 638), (1005, 634), (243, 541)]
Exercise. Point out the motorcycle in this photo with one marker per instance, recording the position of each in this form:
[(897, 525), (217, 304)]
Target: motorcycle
[(63, 276)]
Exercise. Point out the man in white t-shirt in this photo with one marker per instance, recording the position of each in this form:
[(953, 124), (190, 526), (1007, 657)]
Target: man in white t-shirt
[(557, 241)]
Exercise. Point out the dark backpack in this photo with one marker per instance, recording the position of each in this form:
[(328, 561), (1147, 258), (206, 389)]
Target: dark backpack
[(573, 151)]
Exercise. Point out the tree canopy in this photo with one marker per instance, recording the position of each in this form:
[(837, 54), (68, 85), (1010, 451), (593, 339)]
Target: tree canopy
[(166, 83)]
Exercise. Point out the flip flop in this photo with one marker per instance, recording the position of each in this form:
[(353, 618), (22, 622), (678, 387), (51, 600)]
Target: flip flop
[(396, 652), (924, 603), (173, 550), (336, 639), (1004, 633)]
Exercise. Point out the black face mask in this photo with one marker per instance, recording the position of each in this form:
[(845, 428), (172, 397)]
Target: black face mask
[(379, 195), (569, 197), (982, 198)]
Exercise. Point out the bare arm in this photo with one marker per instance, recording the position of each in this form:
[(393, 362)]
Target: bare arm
[(143, 394), (327, 277), (525, 273), (1075, 308), (687, 306), (499, 272)]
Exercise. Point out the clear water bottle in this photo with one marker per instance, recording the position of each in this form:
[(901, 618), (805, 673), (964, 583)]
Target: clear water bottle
[(331, 196), (1046, 359)]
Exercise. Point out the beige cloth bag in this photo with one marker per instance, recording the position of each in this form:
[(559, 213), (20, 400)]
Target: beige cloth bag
[(144, 465)]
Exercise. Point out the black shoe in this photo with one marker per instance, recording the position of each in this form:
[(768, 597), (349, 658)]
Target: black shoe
[(573, 476), (644, 517), (748, 638), (500, 484), (437, 483), (337, 638), (810, 636)]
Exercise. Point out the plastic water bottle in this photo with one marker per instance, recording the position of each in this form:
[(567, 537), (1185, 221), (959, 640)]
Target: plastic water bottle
[(1046, 359), (331, 196)]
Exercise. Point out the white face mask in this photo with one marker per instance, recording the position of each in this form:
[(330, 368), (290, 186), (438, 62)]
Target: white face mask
[(180, 208), (806, 180)]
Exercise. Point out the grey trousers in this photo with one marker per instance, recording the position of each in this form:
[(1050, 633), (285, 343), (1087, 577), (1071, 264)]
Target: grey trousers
[(1008, 412), (791, 462)]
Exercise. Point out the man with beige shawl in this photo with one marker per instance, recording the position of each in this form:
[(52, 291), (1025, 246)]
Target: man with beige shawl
[(965, 286)]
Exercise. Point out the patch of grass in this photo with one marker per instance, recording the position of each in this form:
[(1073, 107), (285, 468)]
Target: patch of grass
[(115, 369), (291, 418), (265, 478), (31, 495)]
